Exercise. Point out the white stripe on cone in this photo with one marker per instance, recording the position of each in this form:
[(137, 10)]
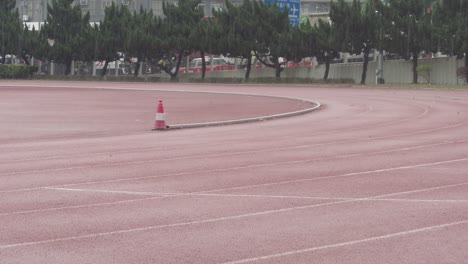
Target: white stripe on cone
[(159, 116)]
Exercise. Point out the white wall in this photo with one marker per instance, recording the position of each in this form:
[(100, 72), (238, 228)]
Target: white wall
[(395, 72)]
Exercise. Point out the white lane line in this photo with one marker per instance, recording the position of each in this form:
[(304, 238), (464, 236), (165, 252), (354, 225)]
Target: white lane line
[(79, 206), (238, 168), (237, 153), (350, 243), (424, 190), (158, 195), (374, 198), (212, 220), (341, 175), (102, 191), (244, 167), (241, 153), (125, 231)]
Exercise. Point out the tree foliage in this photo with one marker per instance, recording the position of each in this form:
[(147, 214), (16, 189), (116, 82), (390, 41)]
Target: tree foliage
[(450, 18), (65, 27), (179, 22), (327, 44), (359, 26), (238, 24), (272, 28), (412, 29), (143, 41), (10, 28), (112, 34)]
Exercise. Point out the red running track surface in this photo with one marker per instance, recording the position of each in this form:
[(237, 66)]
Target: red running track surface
[(374, 176)]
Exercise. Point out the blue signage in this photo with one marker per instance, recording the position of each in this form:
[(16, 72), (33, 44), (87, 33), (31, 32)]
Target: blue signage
[(294, 7)]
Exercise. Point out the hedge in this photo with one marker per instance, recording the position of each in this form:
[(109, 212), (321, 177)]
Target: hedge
[(16, 71)]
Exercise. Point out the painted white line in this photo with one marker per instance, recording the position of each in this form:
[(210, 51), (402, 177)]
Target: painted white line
[(238, 153), (341, 175), (423, 190), (245, 167), (212, 220), (419, 200), (164, 195), (141, 229), (351, 243), (203, 193), (353, 199), (374, 198), (79, 206), (102, 191)]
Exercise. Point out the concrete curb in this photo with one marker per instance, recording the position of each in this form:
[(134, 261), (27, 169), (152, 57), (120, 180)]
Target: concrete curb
[(316, 106)]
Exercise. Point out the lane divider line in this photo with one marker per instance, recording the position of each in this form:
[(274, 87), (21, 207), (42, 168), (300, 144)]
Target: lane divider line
[(165, 195), (352, 242)]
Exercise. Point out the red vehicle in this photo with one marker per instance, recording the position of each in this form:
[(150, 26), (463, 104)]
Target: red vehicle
[(304, 62)]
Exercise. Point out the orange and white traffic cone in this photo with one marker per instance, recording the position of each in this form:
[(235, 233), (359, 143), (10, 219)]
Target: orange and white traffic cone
[(159, 123)]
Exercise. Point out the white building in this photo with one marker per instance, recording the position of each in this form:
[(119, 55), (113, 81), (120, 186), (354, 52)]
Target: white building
[(36, 10)]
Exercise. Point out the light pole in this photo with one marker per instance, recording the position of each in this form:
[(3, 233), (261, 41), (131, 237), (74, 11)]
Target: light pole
[(379, 71), (51, 43)]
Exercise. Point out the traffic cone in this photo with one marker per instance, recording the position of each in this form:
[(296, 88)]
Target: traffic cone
[(159, 123)]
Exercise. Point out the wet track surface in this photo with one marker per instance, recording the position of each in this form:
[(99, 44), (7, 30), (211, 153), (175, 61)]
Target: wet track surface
[(373, 176)]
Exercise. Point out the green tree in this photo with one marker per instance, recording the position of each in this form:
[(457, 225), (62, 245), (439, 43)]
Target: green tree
[(358, 25), (208, 37), (273, 27), (411, 31), (365, 31), (298, 43), (30, 44), (327, 44), (179, 22), (10, 28), (450, 18), (66, 26), (238, 24), (143, 37), (113, 32)]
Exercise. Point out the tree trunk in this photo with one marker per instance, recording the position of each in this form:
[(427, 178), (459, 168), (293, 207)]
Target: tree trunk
[(364, 66), (466, 65), (415, 65), (202, 54), (104, 69), (137, 68), (249, 66), (327, 68), (277, 67), (176, 71), (278, 71), (68, 67), (26, 60)]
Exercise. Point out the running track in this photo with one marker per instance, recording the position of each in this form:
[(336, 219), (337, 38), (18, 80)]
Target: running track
[(374, 176)]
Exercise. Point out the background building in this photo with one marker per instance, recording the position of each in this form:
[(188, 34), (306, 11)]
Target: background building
[(36, 10)]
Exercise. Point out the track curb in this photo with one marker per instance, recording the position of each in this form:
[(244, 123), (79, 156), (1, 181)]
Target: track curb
[(316, 106)]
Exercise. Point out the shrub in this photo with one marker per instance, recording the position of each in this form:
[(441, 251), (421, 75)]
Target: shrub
[(16, 71), (462, 73), (425, 71)]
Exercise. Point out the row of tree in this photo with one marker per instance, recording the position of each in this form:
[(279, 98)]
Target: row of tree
[(403, 27), (407, 28)]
